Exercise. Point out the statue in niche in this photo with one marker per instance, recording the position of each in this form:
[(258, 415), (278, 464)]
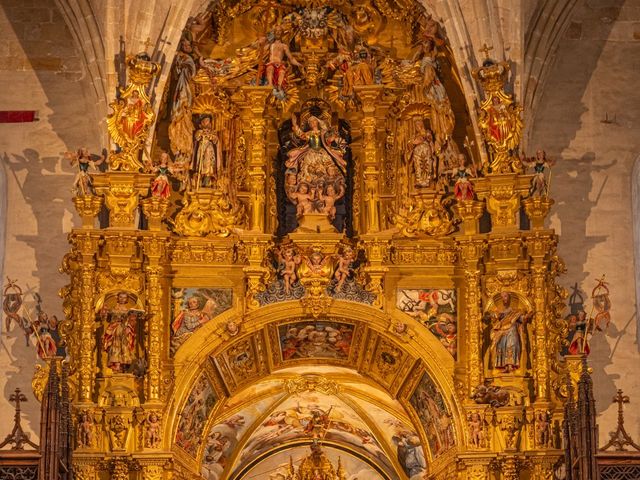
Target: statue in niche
[(315, 171), (207, 160), (120, 333), (421, 154), (507, 335)]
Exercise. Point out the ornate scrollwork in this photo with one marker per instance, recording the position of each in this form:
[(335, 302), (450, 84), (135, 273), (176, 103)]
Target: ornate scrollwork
[(209, 213), (132, 115), (500, 119), (426, 216)]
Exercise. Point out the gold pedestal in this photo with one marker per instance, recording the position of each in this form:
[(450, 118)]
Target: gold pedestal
[(469, 211), (537, 209), (155, 209), (122, 191), (315, 223), (88, 207), (209, 212)]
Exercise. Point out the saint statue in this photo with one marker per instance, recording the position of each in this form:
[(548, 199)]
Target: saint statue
[(207, 162), (119, 339), (315, 176), (507, 335), (421, 154)]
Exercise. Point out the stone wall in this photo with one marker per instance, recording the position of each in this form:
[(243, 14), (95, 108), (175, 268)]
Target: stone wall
[(40, 69), (588, 120)]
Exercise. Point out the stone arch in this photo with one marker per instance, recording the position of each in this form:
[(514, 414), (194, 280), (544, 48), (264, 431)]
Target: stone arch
[(420, 355)]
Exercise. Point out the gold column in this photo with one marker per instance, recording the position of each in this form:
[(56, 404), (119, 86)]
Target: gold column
[(538, 246), (86, 246), (471, 253), (154, 251), (377, 251), (255, 250), (253, 112), (370, 94)]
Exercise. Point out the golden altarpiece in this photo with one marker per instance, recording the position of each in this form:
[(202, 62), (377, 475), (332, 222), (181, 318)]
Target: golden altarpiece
[(311, 262)]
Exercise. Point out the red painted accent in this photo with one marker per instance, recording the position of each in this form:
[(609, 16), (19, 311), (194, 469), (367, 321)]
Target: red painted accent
[(17, 116)]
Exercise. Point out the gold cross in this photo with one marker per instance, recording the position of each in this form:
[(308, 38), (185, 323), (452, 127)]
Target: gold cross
[(486, 49)]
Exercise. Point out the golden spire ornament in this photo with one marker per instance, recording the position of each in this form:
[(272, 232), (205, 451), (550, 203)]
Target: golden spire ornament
[(132, 115)]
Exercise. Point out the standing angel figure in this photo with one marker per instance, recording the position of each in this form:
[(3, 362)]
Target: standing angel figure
[(160, 186), (539, 185), (463, 188), (83, 183), (344, 267)]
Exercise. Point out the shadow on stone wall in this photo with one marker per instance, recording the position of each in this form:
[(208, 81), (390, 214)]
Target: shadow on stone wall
[(42, 70), (557, 123)]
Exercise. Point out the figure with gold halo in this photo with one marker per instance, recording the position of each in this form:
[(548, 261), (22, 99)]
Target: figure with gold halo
[(507, 335)]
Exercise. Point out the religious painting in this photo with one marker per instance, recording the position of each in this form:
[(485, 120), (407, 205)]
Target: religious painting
[(428, 403), (315, 339), (404, 439), (193, 307), (434, 308), (276, 466), (242, 361), (194, 415), (313, 416), (225, 435)]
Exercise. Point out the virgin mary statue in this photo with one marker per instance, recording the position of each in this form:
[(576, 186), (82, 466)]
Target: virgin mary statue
[(315, 172)]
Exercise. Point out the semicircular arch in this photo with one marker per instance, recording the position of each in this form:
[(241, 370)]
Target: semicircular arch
[(415, 355)]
